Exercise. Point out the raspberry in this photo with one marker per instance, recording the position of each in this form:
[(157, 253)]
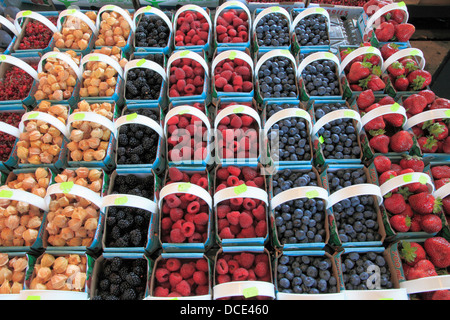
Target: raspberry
[(162, 275), (240, 274), (202, 265), (228, 88), (259, 181), (233, 217), (176, 214), (245, 220), (249, 173), (246, 260), (187, 270), (247, 86), (223, 278), (173, 201), (226, 233), (232, 181), (220, 29), (203, 182), (227, 74), (221, 82), (175, 174), (262, 257), (232, 266), (198, 81), (174, 294), (200, 278), (237, 202), (247, 233), (235, 171), (260, 212), (183, 288), (221, 266), (251, 275), (261, 269), (188, 229), (222, 174), (196, 238), (161, 292), (173, 264), (202, 290), (236, 122), (201, 219), (237, 81), (222, 211), (261, 228), (193, 207), (180, 74), (176, 236), (175, 278), (166, 223)]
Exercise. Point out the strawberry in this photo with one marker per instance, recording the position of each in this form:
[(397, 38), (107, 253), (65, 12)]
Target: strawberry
[(373, 82), (404, 31), (372, 58), (440, 172), (355, 87), (400, 223), (385, 31), (440, 103), (386, 100), (438, 249), (446, 145), (441, 182), (446, 205), (431, 223), (415, 223), (377, 123), (425, 203), (439, 295), (418, 132), (412, 252), (428, 95), (439, 130), (397, 15), (419, 79), (394, 119), (382, 163), (428, 144), (422, 269), (409, 64), (395, 204), (365, 99), (379, 141), (396, 69), (358, 71), (385, 176), (388, 49), (401, 141), (401, 83), (415, 103), (413, 162)]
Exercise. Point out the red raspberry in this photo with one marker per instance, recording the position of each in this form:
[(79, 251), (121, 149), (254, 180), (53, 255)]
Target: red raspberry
[(221, 266), (198, 82), (227, 74), (228, 88), (259, 181), (261, 269), (240, 274), (246, 260), (190, 89), (222, 211), (237, 81), (233, 217), (162, 275), (161, 292), (245, 220), (188, 229), (232, 181), (196, 238), (201, 219), (237, 202), (187, 270), (180, 74), (249, 173), (260, 212), (220, 29), (232, 266), (247, 233), (202, 265), (226, 233), (174, 279), (193, 207), (234, 170), (166, 223), (202, 290), (176, 214), (221, 82), (176, 236), (173, 264), (249, 204), (183, 288), (222, 174), (200, 278), (223, 278), (261, 228), (175, 174), (236, 122)]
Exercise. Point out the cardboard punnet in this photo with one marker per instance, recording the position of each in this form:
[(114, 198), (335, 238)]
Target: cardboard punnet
[(248, 289), (11, 161), (113, 199), (31, 260)]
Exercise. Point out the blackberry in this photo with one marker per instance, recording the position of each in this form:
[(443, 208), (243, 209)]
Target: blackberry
[(133, 142), (153, 32), (104, 284), (122, 242), (133, 279), (123, 139), (114, 290), (129, 294), (136, 237), (114, 278)]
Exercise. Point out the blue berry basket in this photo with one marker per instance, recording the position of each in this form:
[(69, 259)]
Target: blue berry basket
[(302, 13), (291, 195), (374, 290), (192, 189), (21, 21), (127, 200), (164, 15), (108, 161), (11, 162), (70, 188), (23, 63), (369, 188), (293, 110), (288, 255), (240, 7), (132, 116)]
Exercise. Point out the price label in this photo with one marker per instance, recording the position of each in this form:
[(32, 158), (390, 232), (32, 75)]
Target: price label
[(240, 189), (184, 186), (250, 292), (121, 200), (79, 116), (6, 194), (131, 117), (66, 186)]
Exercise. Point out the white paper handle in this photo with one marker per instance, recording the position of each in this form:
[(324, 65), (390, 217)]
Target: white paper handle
[(192, 7), (230, 5), (103, 58), (442, 192), (335, 115), (373, 20), (92, 117), (405, 179), (23, 196), (37, 115), (64, 57), (187, 54), (21, 64), (185, 187), (426, 284), (360, 51), (231, 54), (298, 193), (73, 189), (275, 9), (128, 200), (384, 110), (139, 119), (9, 129), (425, 116), (287, 113), (402, 54), (308, 12), (234, 109), (354, 191), (36, 16), (247, 289), (8, 24), (151, 10), (117, 9), (315, 57), (185, 109), (241, 191), (77, 14), (275, 53)]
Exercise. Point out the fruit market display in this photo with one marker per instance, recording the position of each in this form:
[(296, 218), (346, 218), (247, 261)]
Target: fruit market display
[(243, 152)]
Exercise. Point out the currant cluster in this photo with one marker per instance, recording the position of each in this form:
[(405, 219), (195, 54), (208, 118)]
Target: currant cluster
[(37, 35), (7, 140), (16, 84)]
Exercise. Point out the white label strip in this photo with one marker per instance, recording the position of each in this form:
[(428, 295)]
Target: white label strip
[(103, 58), (37, 115), (247, 289), (426, 284), (61, 56), (52, 295), (360, 51), (241, 191), (234, 109), (36, 16), (9, 129), (128, 200), (425, 116), (186, 54), (23, 196), (73, 189), (92, 117), (77, 14), (354, 191), (21, 64), (298, 193), (388, 294), (139, 119), (384, 110), (442, 192), (301, 296), (287, 113), (185, 109), (185, 187), (335, 115), (315, 57), (405, 179), (402, 54), (151, 10)]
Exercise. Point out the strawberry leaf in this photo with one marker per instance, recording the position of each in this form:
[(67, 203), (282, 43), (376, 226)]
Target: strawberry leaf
[(418, 82), (408, 252), (431, 142), (436, 129), (437, 207)]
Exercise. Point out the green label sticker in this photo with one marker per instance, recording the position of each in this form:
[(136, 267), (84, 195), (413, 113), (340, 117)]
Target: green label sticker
[(66, 186), (395, 107), (423, 180), (285, 52), (275, 9), (301, 113), (250, 292), (312, 194), (370, 49), (140, 63), (79, 116), (184, 186), (349, 114), (148, 8), (26, 13), (6, 193), (414, 52), (407, 178), (121, 200), (447, 113), (238, 109), (33, 115), (184, 53), (110, 7), (131, 116), (386, 299), (402, 4), (232, 55), (71, 11), (34, 297), (181, 112), (93, 58), (321, 139), (2, 57), (320, 10), (240, 189), (329, 55)]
